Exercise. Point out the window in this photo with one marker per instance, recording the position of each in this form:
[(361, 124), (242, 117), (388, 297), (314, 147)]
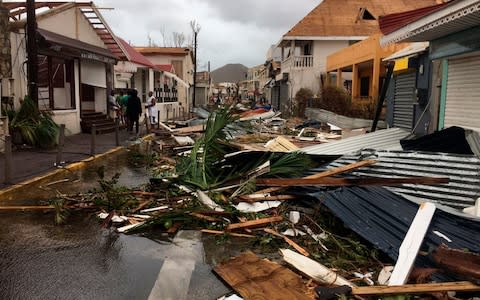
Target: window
[(55, 83), (364, 86), (364, 14)]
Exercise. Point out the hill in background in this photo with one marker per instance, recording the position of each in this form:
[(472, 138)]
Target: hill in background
[(229, 73)]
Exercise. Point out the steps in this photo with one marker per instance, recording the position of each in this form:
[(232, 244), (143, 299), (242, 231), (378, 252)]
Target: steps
[(102, 123)]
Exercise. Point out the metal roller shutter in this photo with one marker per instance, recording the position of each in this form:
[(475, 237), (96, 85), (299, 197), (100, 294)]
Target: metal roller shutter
[(403, 101), (463, 93)]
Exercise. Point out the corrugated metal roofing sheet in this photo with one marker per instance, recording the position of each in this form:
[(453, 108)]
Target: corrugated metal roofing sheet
[(462, 170), (339, 120), (392, 22), (387, 139), (383, 218)]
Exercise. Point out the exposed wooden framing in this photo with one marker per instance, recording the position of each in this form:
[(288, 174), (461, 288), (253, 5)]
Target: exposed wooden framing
[(328, 181), (254, 223), (460, 286)]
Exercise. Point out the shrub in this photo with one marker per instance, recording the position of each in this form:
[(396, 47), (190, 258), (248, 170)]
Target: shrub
[(302, 98), (36, 127)]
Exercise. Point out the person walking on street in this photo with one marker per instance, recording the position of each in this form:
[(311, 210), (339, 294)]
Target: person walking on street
[(114, 107), (152, 109), (134, 110)]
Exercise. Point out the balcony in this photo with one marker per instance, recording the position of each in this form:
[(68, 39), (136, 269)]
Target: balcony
[(298, 62)]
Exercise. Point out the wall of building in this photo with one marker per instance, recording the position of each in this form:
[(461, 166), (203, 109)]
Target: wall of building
[(73, 25), (19, 70)]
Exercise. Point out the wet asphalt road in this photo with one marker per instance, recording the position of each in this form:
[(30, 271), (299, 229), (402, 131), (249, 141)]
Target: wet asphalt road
[(39, 260)]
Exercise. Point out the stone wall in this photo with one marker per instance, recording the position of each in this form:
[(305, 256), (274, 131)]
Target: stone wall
[(5, 48)]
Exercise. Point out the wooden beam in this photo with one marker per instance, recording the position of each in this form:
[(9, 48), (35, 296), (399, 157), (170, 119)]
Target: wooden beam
[(411, 244), (254, 223), (228, 233), (329, 172), (460, 286), (288, 241), (328, 181), (342, 169)]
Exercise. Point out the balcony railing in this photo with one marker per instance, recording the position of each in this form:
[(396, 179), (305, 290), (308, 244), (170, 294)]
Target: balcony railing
[(166, 94), (298, 62)]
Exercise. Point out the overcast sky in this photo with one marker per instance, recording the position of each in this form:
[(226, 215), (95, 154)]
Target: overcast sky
[(232, 31)]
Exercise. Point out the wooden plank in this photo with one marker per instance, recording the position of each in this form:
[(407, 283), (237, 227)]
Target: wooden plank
[(254, 223), (328, 181), (204, 217), (26, 207), (255, 278), (289, 241), (411, 244), (226, 232), (460, 286), (330, 172), (191, 129), (313, 269), (342, 169), (259, 197)]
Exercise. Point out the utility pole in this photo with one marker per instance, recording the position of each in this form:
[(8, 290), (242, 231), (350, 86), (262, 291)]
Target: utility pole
[(196, 29), (32, 52)]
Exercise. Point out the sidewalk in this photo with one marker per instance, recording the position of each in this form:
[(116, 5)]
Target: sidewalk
[(29, 163)]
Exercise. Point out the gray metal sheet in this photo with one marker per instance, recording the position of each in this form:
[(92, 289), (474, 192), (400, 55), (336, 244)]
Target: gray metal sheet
[(383, 218), (387, 139), (463, 90), (462, 170)]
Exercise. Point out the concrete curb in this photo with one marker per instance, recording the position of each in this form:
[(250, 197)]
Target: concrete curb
[(71, 167)]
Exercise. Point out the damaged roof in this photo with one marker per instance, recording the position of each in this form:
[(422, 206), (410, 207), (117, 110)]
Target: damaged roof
[(387, 139), (462, 170), (350, 18), (384, 217)]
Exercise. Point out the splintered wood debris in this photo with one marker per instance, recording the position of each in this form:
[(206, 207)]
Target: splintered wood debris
[(255, 278)]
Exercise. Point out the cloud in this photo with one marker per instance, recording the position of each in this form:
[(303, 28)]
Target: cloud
[(231, 31)]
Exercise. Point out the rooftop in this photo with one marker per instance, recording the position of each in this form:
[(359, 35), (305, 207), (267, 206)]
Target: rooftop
[(350, 18)]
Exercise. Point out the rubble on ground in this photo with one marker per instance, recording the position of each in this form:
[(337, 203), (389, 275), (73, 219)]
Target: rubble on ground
[(241, 175)]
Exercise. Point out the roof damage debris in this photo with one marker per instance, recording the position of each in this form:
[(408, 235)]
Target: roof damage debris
[(342, 217)]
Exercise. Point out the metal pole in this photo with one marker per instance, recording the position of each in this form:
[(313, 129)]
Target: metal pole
[(8, 159), (158, 120), (117, 138), (167, 114), (61, 142), (383, 93), (147, 123), (92, 141), (32, 52), (194, 67)]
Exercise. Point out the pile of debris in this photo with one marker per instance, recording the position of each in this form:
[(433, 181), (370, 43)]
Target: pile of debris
[(276, 195)]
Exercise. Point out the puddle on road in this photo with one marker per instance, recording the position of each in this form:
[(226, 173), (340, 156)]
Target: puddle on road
[(81, 180), (39, 260)]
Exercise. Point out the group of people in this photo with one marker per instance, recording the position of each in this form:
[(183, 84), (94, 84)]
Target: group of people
[(128, 108)]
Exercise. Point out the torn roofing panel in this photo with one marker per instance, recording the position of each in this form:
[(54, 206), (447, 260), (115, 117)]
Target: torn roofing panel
[(383, 218), (450, 140), (462, 170), (387, 139)]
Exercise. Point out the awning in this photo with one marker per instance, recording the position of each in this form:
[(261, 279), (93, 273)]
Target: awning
[(176, 78), (52, 42), (413, 49)]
